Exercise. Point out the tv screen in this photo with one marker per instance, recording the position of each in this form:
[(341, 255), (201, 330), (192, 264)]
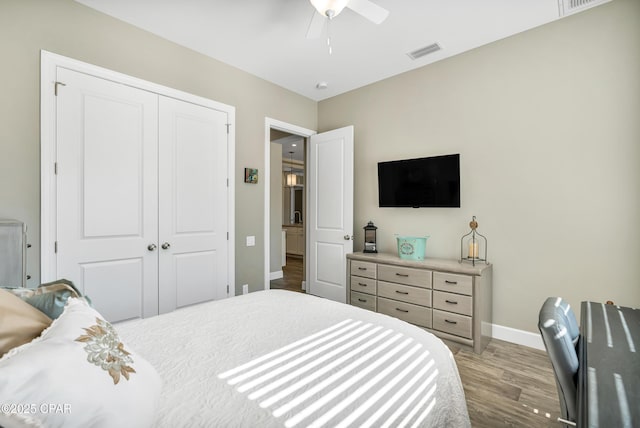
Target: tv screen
[(423, 182)]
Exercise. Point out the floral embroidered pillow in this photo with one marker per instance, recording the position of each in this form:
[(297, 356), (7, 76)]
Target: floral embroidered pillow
[(105, 350), (80, 368)]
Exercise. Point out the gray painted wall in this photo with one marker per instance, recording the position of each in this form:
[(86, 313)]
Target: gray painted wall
[(547, 124), (68, 28), (275, 217)]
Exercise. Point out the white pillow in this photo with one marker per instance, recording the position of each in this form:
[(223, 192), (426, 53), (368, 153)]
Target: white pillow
[(79, 374), (15, 420)]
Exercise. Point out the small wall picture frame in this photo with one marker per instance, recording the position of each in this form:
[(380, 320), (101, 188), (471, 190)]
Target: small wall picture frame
[(251, 175)]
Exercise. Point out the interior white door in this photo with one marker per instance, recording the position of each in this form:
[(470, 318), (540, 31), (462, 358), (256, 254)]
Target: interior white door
[(330, 226), (193, 201), (107, 193)]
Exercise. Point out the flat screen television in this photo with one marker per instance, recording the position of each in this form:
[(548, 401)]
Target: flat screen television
[(423, 182)]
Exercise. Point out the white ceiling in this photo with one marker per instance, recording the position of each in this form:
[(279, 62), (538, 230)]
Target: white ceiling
[(292, 148), (267, 38)]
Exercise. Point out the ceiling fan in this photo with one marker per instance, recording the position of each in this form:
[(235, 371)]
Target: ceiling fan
[(329, 9)]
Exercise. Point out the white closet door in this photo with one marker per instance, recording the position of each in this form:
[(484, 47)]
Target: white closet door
[(193, 202), (107, 212)]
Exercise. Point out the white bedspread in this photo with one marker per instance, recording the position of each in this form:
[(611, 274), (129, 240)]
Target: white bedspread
[(278, 358)]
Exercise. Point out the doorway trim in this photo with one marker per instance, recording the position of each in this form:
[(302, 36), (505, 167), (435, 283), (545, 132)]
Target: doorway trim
[(49, 62), (279, 125)]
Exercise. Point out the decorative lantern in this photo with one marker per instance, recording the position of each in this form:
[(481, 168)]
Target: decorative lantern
[(370, 238), (292, 178), (474, 245)]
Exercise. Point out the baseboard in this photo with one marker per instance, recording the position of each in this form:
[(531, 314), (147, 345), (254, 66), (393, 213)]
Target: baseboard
[(519, 337), (276, 275)]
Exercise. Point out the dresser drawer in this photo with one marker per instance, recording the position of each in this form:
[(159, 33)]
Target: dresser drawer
[(405, 275), (363, 285), (460, 325), (413, 314), (405, 293), (365, 269), (364, 301), (453, 302), (460, 284)]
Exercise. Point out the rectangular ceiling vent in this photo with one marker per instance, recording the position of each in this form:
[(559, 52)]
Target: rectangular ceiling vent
[(419, 53), (568, 7)]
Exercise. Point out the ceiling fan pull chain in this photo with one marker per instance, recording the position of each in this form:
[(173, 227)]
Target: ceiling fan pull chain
[(329, 34)]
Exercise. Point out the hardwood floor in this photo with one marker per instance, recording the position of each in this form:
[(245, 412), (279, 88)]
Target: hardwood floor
[(508, 385), (292, 278)]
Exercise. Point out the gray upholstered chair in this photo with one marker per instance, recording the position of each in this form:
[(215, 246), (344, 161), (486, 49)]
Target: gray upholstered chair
[(560, 334)]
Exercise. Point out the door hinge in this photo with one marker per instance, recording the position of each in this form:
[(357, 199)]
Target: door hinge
[(55, 168), (227, 182), (227, 236), (227, 288), (55, 87), (227, 125), (55, 247)]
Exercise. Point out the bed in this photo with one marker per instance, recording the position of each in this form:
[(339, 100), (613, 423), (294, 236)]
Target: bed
[(277, 358)]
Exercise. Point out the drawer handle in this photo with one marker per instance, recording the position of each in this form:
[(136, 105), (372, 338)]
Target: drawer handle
[(450, 322), (404, 275), (362, 300), (452, 302), (451, 282), (401, 292), (402, 310), (361, 268), (364, 285)]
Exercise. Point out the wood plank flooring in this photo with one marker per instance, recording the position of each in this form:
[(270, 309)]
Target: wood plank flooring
[(292, 278), (508, 385)]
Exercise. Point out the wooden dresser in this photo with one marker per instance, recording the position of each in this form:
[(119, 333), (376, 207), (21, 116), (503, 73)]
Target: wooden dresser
[(450, 299)]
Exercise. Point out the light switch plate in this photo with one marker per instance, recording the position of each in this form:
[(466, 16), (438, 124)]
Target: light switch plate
[(251, 241)]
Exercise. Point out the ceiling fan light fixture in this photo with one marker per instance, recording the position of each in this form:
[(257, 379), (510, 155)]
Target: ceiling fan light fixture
[(329, 8)]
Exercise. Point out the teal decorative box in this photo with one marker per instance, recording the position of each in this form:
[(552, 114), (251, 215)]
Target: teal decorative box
[(411, 247)]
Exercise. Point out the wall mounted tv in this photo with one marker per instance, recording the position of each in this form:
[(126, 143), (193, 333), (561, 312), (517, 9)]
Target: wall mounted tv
[(423, 182)]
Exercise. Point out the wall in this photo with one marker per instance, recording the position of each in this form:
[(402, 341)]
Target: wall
[(275, 217), (68, 28), (547, 125), (545, 121)]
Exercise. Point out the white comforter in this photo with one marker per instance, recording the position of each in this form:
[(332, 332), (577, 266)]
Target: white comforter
[(278, 358)]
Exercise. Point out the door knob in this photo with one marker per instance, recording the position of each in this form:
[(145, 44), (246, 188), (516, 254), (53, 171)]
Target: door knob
[(165, 246), (151, 247), (347, 238)]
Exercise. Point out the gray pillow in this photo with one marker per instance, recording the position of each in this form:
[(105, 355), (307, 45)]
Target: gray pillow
[(51, 297)]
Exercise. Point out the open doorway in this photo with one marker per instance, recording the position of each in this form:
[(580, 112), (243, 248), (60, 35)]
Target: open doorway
[(285, 206), (328, 196), (291, 208)]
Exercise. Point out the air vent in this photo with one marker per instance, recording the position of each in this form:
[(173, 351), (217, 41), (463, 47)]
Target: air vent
[(419, 53), (568, 7)]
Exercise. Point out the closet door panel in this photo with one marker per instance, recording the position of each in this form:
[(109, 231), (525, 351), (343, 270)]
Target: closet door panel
[(194, 175), (108, 282), (193, 199), (107, 193), (196, 272)]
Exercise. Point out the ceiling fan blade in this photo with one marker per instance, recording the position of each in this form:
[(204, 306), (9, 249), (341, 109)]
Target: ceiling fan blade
[(369, 10), (315, 26)]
